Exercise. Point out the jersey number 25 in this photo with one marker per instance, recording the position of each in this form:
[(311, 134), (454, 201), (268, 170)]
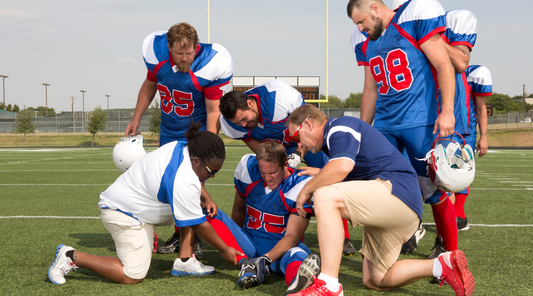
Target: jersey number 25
[(179, 102), (399, 74)]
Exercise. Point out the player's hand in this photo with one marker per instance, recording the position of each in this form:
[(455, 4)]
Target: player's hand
[(132, 128), (294, 160), (308, 171), (230, 255), (300, 201), (211, 207), (444, 124), (482, 146)]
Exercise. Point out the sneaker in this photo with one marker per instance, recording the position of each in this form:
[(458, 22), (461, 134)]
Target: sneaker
[(61, 266), (309, 268), (318, 288), (438, 248), (462, 224), (172, 245), (455, 272), (191, 267), (348, 248), (411, 245), (197, 248), (253, 272)]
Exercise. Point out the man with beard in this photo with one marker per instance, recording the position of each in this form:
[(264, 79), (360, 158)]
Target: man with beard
[(406, 62), (190, 77)]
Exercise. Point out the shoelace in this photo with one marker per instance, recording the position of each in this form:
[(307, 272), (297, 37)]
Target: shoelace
[(68, 267), (246, 266)]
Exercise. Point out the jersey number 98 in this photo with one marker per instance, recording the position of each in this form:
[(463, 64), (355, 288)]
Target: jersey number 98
[(396, 65)]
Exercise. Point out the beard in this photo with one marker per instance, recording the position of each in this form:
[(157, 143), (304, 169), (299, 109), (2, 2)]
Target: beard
[(183, 68), (253, 123), (377, 30)]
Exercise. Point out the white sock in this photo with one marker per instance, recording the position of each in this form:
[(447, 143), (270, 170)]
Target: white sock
[(331, 283), (437, 268)]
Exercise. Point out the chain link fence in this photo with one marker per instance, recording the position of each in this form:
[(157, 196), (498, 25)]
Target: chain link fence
[(118, 119)]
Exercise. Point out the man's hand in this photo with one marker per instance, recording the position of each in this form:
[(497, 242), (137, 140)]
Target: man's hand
[(309, 171), (300, 201), (230, 255), (132, 128), (444, 124), (294, 159)]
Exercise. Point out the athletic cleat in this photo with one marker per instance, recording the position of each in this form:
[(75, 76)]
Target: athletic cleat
[(172, 245), (197, 248), (455, 272), (309, 268), (318, 288), (191, 267), (61, 266), (348, 248), (411, 245), (253, 272), (438, 248), (462, 224)]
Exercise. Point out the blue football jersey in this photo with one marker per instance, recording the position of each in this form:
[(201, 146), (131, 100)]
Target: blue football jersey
[(480, 80), (183, 95), (373, 156), (406, 81), (267, 211)]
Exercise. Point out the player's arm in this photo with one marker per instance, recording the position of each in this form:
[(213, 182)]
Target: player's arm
[(206, 231), (296, 227), (369, 97), (146, 95), (210, 206), (333, 172), (253, 144), (481, 114), (238, 214), (435, 50), (459, 56), (213, 115)]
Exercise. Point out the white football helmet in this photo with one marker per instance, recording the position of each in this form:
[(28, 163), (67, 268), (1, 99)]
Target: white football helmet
[(128, 151), (451, 168)]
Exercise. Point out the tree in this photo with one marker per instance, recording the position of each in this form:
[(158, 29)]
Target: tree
[(9, 107), (41, 111), (16, 108), (96, 122), (353, 101), (333, 102), (24, 123), (502, 104), (155, 118)]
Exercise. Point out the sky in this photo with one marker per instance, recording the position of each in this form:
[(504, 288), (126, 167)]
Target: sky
[(96, 45)]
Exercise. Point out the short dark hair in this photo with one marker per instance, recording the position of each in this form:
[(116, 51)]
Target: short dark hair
[(233, 101), (272, 151), (184, 34), (205, 145)]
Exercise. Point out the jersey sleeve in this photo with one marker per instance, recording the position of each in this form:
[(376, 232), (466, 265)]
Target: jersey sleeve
[(217, 73), (287, 98), (347, 141), (480, 79), (359, 46), (244, 173), (155, 51), (232, 130), (461, 28), (421, 19)]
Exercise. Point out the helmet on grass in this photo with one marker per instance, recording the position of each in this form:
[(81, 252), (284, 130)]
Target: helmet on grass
[(128, 151)]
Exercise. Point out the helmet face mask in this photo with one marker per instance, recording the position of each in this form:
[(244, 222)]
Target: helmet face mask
[(452, 167), (128, 151)]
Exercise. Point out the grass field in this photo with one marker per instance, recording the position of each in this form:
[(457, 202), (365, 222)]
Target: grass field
[(49, 196)]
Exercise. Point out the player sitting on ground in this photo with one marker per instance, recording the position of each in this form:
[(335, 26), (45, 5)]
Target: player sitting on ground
[(265, 225)]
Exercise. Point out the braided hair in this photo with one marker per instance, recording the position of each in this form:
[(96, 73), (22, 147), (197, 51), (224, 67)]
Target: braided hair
[(205, 145)]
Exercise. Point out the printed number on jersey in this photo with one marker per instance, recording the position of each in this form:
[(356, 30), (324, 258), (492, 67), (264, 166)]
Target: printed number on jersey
[(269, 222), (180, 102), (393, 72)]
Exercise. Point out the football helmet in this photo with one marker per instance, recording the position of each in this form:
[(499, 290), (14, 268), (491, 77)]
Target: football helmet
[(451, 167), (128, 151)]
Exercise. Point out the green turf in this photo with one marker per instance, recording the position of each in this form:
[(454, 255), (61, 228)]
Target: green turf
[(67, 183)]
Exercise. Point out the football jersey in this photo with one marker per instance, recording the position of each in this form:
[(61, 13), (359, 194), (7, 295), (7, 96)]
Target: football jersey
[(373, 157), (159, 189), (461, 26), (406, 81), (275, 99), (480, 80), (267, 211), (183, 95)]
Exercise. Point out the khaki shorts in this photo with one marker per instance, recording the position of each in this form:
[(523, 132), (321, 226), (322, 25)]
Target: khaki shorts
[(388, 222), (133, 241)]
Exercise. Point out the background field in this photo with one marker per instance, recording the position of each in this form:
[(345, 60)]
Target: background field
[(49, 196)]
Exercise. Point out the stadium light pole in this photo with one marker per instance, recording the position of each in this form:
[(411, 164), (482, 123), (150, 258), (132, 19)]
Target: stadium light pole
[(107, 102), (208, 39), (46, 85), (4, 89), (327, 46), (83, 109)]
